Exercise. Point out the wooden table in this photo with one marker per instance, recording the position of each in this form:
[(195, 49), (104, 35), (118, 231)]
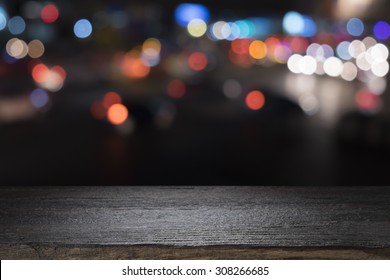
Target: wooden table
[(195, 222)]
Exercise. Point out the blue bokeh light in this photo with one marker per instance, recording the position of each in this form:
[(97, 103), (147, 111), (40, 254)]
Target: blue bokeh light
[(39, 98), (293, 23), (246, 28), (16, 25), (3, 19), (382, 30), (82, 28), (343, 50), (310, 27), (296, 24), (355, 27), (263, 26), (186, 12)]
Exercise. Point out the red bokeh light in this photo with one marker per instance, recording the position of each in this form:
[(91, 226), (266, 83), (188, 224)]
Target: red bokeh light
[(255, 100), (111, 98), (50, 13), (60, 71), (197, 61), (176, 89), (40, 73), (240, 46), (367, 101)]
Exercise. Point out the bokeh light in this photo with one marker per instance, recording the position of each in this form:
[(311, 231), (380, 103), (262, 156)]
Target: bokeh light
[(240, 46), (49, 13), (197, 27), (82, 28), (234, 30), (39, 98), (220, 30), (298, 44), (232, 89), (356, 48), (380, 68), (152, 43), (364, 61), (310, 27), (379, 52), (349, 72), (197, 61), (367, 101), (258, 49), (307, 65), (246, 27), (293, 23), (111, 98), (60, 71), (54, 81), (355, 27), (176, 89), (40, 73), (134, 67), (36, 49), (17, 48), (382, 30), (16, 25), (255, 100), (293, 63), (3, 19), (343, 50), (117, 114), (369, 42), (333, 67), (151, 49), (186, 12)]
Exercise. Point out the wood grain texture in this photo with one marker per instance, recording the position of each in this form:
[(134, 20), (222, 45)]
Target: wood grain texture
[(150, 252), (261, 217)]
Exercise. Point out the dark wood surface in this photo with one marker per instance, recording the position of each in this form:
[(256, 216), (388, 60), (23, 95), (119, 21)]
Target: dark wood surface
[(293, 219)]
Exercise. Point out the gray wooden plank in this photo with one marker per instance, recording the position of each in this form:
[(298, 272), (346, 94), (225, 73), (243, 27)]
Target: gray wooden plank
[(197, 216)]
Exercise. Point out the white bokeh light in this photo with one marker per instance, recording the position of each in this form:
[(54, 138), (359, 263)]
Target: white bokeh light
[(333, 66)]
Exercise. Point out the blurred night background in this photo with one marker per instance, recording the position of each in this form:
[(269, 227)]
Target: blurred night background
[(199, 93)]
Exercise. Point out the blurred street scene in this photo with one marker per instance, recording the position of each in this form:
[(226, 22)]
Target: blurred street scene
[(200, 93)]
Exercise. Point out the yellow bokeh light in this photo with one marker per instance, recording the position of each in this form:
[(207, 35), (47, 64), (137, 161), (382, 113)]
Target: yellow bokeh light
[(258, 49), (152, 43), (197, 28)]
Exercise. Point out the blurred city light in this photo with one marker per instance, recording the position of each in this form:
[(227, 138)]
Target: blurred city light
[(355, 27), (49, 13), (82, 28), (382, 30), (197, 61), (117, 114), (163, 62), (3, 19), (255, 100), (39, 98), (186, 12), (16, 25), (176, 89), (197, 27)]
